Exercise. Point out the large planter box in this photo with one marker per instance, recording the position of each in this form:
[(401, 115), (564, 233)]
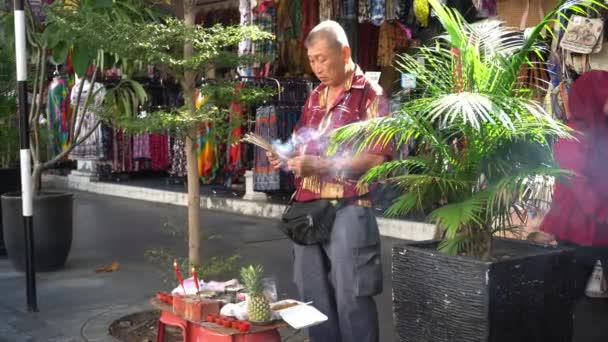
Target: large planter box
[(53, 213), (526, 294), (10, 181)]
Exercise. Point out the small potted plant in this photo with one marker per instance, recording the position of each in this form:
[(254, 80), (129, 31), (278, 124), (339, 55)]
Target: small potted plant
[(53, 211)]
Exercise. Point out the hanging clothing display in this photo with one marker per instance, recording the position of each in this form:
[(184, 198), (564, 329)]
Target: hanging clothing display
[(245, 45), (207, 154), (141, 146), (234, 162), (178, 157), (92, 147), (206, 146), (310, 17), (265, 19), (365, 12), (326, 10), (392, 10), (58, 115), (368, 57), (265, 177), (159, 152), (391, 36), (378, 12), (122, 158)]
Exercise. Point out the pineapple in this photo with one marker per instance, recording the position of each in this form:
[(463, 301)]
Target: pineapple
[(258, 307)]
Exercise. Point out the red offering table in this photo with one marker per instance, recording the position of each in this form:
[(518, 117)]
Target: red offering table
[(210, 332)]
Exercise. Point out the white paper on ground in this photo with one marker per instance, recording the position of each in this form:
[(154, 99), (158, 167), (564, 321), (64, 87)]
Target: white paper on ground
[(302, 316)]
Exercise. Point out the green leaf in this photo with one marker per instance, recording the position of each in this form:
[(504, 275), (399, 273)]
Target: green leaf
[(99, 4), (52, 35), (81, 58), (60, 53)]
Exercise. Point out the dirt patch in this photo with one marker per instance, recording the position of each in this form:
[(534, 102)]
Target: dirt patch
[(142, 327)]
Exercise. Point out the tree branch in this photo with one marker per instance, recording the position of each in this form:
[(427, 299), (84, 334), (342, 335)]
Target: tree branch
[(86, 103), (76, 108), (70, 148), (41, 83), (35, 85)]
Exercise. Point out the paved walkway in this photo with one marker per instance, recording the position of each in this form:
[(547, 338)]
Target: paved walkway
[(76, 304)]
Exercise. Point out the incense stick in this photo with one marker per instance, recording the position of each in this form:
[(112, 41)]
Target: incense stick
[(260, 142)]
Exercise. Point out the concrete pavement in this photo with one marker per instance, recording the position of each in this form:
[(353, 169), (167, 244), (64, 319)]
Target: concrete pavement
[(77, 304)]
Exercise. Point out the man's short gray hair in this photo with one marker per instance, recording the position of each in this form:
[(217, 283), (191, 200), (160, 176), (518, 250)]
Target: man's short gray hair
[(330, 31)]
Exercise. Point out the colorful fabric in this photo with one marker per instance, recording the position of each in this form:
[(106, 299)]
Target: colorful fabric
[(392, 10), (266, 21), (265, 177), (579, 211), (235, 148), (310, 17), (365, 14), (206, 147), (349, 9), (390, 37), (178, 158), (378, 12), (123, 152), (141, 146), (58, 114), (317, 122), (92, 147), (159, 152), (422, 11), (325, 10)]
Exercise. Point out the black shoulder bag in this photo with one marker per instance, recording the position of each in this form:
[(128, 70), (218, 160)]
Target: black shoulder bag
[(310, 223)]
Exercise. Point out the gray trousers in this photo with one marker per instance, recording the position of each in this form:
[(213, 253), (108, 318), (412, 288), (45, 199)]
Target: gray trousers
[(342, 276)]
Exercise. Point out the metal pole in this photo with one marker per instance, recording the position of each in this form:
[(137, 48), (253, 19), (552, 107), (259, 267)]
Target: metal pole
[(26, 162)]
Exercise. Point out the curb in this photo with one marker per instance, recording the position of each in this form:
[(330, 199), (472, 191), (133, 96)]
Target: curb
[(401, 229)]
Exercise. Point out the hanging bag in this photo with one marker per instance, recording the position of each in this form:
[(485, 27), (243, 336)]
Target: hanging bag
[(583, 35)]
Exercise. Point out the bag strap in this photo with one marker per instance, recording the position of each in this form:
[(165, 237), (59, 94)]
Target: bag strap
[(363, 103)]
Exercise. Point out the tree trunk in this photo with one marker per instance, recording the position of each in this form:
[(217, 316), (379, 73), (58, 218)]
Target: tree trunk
[(194, 198), (37, 178)]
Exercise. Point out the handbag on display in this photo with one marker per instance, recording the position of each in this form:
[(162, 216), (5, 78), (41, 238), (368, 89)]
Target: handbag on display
[(583, 35), (597, 286)]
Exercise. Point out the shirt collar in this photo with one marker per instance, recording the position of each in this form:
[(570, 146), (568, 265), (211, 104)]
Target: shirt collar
[(357, 81)]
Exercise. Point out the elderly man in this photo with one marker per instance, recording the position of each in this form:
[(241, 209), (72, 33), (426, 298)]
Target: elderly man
[(341, 276)]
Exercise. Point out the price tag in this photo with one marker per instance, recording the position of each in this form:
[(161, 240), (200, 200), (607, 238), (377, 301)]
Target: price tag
[(373, 76), (408, 81)]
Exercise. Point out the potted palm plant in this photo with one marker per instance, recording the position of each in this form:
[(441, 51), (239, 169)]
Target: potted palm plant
[(482, 142), (53, 211)]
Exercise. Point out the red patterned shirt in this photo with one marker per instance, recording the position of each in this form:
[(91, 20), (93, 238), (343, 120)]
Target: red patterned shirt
[(359, 100)]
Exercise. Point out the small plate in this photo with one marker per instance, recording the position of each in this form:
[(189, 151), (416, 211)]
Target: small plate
[(302, 316)]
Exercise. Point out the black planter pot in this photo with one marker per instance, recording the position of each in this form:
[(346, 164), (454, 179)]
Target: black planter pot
[(52, 230), (9, 182), (527, 297)]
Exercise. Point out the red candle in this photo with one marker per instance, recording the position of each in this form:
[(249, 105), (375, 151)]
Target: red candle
[(195, 280), (179, 276)]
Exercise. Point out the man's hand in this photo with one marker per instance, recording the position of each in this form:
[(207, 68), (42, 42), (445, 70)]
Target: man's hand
[(275, 161), (306, 165)]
